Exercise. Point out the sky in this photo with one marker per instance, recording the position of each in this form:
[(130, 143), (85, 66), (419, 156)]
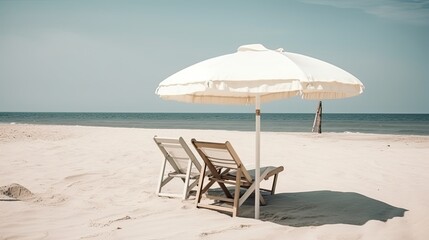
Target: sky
[(110, 56)]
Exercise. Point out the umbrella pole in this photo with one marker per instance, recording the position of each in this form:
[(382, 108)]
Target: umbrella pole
[(257, 153)]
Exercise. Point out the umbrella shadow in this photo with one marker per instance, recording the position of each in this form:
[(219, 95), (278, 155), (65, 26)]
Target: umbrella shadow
[(321, 207)]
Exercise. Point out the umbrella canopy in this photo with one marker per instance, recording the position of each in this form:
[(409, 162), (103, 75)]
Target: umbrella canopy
[(255, 74), (324, 80), (255, 70)]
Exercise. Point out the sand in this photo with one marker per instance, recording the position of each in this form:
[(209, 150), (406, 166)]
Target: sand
[(75, 182)]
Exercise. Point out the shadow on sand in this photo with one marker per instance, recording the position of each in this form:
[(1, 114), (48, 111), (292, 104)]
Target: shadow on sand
[(320, 208)]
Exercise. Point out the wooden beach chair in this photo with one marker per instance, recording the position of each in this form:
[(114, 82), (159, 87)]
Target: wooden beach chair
[(225, 167), (183, 165)]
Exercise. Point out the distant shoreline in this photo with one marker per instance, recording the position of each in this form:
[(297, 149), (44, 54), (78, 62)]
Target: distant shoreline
[(397, 124)]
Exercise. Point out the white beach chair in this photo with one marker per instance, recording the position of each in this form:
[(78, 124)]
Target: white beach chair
[(184, 165)]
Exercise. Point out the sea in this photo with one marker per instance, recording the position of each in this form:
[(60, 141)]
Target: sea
[(401, 124)]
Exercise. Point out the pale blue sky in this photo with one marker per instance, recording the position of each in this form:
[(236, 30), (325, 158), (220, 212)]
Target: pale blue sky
[(109, 56)]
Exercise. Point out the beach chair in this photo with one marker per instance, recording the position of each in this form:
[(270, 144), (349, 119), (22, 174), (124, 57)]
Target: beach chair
[(183, 164), (226, 168)]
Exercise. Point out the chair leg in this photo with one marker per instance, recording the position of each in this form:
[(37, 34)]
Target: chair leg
[(236, 203), (188, 176), (261, 199), (161, 177), (200, 184), (273, 188)]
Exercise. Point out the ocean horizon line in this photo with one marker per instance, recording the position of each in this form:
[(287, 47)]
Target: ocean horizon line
[(402, 124), (132, 112)]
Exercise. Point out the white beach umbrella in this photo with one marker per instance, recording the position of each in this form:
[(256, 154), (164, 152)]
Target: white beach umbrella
[(255, 74)]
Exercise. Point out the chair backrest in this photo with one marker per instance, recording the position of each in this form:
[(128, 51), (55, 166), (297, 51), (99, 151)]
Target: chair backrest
[(177, 152), (220, 155)]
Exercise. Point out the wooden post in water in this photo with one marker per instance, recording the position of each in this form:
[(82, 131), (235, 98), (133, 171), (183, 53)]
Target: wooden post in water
[(317, 124)]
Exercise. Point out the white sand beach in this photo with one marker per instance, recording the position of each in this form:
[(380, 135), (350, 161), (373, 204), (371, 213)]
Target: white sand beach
[(99, 183)]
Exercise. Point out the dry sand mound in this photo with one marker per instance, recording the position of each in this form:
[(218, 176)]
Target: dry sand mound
[(16, 191)]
